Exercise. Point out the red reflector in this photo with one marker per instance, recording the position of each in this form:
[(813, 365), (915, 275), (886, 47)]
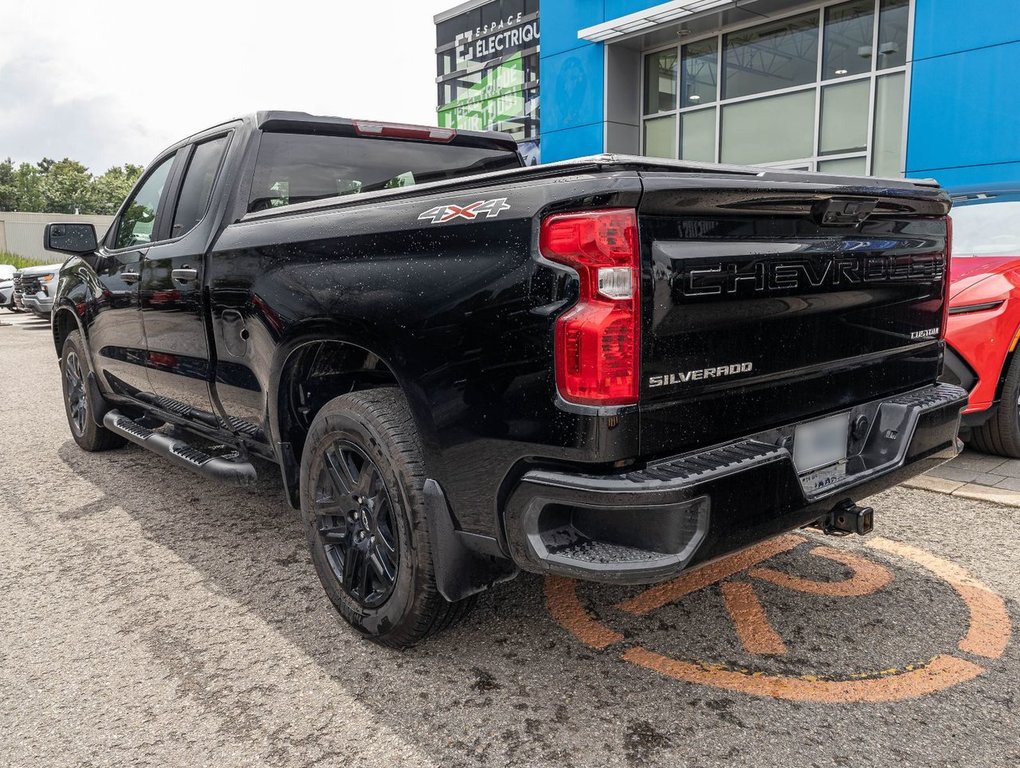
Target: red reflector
[(598, 341), (402, 131)]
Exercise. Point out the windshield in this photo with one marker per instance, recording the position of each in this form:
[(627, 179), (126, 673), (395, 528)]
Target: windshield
[(987, 227)]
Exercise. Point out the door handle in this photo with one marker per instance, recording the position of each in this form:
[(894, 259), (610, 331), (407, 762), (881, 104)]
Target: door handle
[(130, 277), (184, 275)]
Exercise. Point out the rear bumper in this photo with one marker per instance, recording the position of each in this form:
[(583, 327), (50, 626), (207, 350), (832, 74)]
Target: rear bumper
[(647, 525)]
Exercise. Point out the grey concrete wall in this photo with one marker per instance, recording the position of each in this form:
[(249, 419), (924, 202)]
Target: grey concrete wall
[(22, 233), (623, 100)]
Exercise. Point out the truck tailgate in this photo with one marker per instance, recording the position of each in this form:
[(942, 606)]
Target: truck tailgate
[(774, 302)]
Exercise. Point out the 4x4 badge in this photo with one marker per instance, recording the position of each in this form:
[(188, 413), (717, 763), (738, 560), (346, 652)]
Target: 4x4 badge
[(443, 213)]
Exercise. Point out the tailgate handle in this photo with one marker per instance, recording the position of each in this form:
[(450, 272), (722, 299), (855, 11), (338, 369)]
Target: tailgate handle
[(838, 211)]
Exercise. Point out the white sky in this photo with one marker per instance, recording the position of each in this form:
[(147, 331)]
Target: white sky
[(112, 81)]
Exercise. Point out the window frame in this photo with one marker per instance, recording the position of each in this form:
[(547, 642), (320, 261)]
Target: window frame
[(189, 151), (174, 156), (811, 162)]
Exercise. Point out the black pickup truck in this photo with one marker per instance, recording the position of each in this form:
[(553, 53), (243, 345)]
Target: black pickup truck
[(611, 368)]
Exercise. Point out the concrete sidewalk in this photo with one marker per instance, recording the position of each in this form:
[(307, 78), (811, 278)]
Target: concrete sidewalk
[(973, 475)]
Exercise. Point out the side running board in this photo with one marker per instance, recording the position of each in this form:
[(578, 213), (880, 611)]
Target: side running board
[(180, 452)]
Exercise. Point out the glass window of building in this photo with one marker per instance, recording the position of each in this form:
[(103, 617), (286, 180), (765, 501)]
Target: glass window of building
[(698, 82), (660, 82), (849, 39), (892, 33), (771, 56), (822, 90), (487, 66)]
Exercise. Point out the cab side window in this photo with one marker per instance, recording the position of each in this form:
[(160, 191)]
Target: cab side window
[(136, 223), (196, 190)]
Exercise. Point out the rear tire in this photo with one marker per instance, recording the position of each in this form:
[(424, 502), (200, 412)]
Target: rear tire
[(363, 504), (1000, 435), (78, 404)]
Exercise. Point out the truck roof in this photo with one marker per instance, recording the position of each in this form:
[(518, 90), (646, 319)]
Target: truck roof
[(303, 122)]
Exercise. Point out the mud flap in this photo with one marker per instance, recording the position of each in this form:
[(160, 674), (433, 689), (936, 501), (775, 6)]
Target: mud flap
[(465, 563)]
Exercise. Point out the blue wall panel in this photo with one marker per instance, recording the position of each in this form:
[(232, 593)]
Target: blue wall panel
[(617, 8), (561, 19), (974, 174), (964, 118), (950, 26), (962, 113), (572, 142), (572, 77)]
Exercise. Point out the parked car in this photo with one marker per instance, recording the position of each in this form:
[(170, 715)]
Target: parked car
[(984, 315), (35, 287), (7, 287), (612, 368)]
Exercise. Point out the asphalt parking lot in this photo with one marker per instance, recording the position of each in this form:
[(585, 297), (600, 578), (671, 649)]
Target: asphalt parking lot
[(151, 617)]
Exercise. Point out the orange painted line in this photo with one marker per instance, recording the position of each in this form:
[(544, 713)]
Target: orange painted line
[(566, 609), (753, 628), (990, 627), (665, 593), (941, 673), (869, 576)]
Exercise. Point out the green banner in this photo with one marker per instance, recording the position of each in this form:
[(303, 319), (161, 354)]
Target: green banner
[(498, 96)]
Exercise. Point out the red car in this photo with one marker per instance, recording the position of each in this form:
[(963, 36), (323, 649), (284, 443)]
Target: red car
[(984, 315)]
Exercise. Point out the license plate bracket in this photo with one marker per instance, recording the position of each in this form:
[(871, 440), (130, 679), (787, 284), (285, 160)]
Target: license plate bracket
[(820, 443)]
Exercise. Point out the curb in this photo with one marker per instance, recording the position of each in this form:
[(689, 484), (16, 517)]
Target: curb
[(965, 490)]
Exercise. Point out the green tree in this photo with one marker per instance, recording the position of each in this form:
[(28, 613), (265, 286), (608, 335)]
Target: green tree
[(66, 187), (110, 189), (27, 180), (8, 188)]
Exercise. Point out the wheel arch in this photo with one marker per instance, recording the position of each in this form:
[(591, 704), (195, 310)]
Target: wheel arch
[(309, 373), (63, 322)]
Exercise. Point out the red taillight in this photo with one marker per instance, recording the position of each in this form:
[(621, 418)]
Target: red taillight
[(401, 131), (945, 277), (598, 341)]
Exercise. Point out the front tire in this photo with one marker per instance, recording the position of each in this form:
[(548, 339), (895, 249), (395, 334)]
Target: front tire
[(78, 404), (362, 500), (1000, 435)]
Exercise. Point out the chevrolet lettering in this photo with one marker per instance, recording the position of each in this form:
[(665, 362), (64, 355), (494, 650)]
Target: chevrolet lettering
[(462, 367), (758, 277)]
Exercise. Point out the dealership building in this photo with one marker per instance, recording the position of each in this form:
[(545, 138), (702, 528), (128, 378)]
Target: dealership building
[(879, 87)]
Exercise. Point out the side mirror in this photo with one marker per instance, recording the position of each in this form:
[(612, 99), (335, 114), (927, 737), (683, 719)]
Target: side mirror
[(70, 238)]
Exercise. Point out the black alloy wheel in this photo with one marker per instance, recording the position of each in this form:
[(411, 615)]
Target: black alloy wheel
[(363, 504), (356, 524), (77, 402), (79, 405)]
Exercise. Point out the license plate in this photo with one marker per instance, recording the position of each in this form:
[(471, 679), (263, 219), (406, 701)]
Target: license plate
[(820, 443)]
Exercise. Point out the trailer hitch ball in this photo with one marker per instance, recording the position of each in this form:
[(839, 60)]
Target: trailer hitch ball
[(845, 518)]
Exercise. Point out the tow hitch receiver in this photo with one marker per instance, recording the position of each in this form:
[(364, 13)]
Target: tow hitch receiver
[(845, 518)]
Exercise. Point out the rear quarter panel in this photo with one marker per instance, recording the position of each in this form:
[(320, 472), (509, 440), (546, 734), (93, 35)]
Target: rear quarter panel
[(461, 312)]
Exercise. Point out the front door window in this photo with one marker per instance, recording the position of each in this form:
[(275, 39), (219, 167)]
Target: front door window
[(135, 226)]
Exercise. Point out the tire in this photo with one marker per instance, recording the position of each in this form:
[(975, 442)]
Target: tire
[(78, 404), (1000, 435), (363, 505)]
